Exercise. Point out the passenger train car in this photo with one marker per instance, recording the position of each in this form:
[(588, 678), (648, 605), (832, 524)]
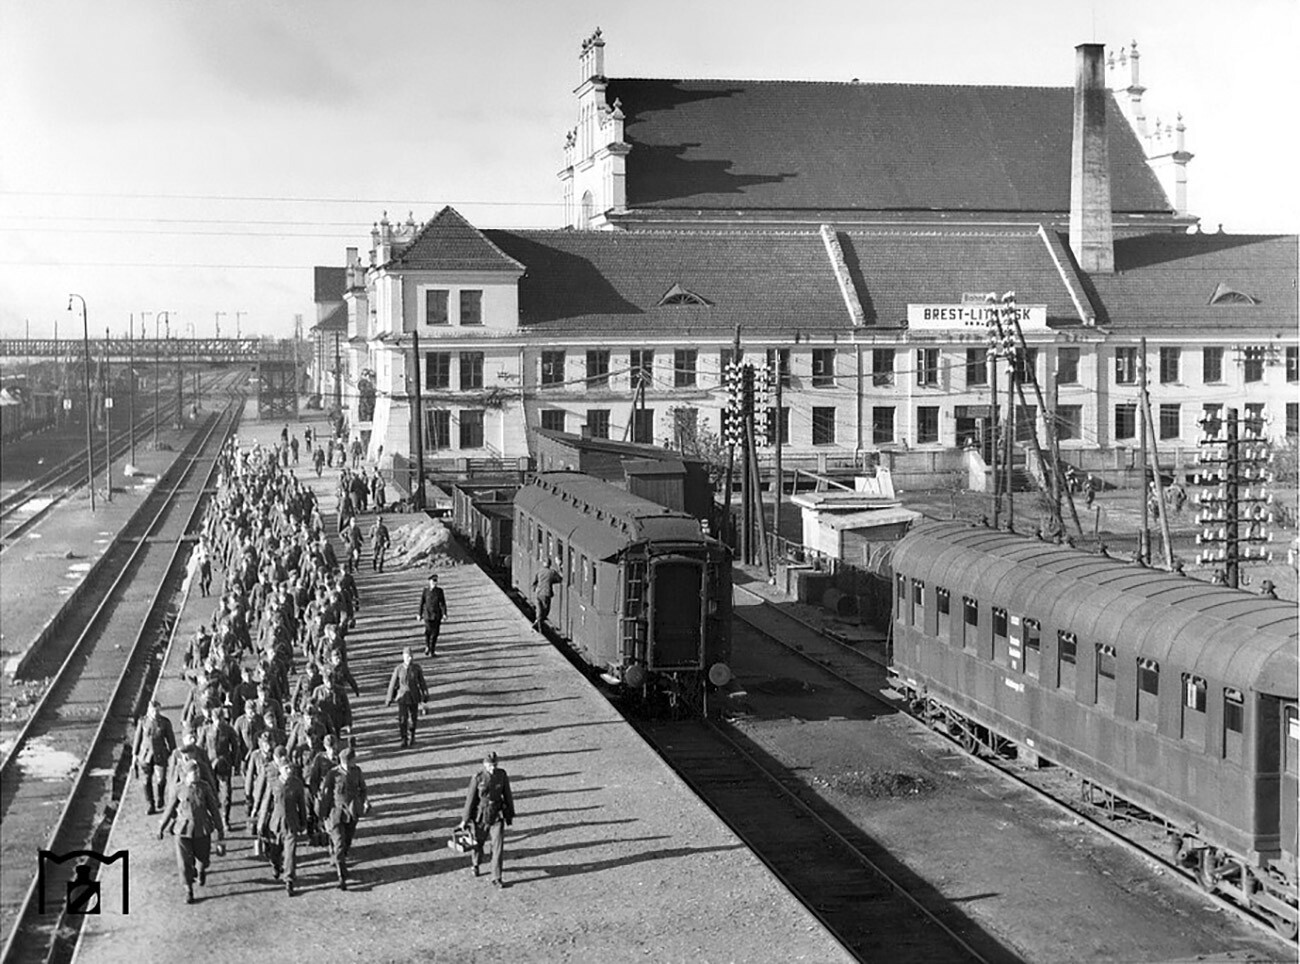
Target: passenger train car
[(1175, 696), (645, 596)]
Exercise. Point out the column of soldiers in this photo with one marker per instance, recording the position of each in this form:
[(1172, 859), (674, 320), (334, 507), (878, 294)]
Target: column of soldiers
[(269, 682)]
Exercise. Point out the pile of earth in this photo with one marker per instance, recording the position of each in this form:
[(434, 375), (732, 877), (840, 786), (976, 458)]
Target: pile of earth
[(423, 543), (876, 783)]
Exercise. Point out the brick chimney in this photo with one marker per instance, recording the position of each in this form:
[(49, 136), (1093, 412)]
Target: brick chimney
[(1092, 236)]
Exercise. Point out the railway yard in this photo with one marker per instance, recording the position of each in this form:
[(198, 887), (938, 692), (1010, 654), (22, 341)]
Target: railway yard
[(810, 817)]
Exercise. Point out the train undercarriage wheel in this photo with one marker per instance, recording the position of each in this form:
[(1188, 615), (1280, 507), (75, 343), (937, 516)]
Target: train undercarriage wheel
[(1285, 929), (1207, 870), (968, 740)]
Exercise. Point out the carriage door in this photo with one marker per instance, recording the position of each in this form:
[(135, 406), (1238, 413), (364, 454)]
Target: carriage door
[(676, 613), (1290, 776)]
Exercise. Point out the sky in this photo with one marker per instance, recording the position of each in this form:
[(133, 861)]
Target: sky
[(196, 158)]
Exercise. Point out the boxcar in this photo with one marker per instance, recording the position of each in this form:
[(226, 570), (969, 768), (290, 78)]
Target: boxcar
[(645, 596), (1168, 693)]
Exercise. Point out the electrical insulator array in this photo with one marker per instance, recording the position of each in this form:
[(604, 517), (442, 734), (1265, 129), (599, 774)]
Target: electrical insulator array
[(750, 391), (1236, 463), (1000, 325)]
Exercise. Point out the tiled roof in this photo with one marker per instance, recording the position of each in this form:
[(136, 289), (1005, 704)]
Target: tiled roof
[(1167, 281), (330, 283), (450, 243), (763, 145), (894, 267), (614, 281), (336, 319)]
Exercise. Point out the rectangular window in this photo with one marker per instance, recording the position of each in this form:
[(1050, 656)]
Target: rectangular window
[(1193, 724), (552, 368), (1234, 724), (1252, 360), (1067, 658), (1126, 366), (927, 424), (435, 308), (1027, 365), (1125, 421), (943, 606), (1000, 637), (437, 429), (1171, 421), (882, 367), (1292, 363), (471, 370), (882, 424), (471, 307), (823, 368), (823, 425), (1170, 359), (977, 367), (927, 366), (1067, 366), (778, 359), (643, 368), (1292, 419), (598, 368), (1069, 421), (553, 419), (1212, 365), (597, 423), (918, 603), (437, 369), (900, 588), (1148, 690), (684, 367), (1033, 647), (471, 429), (1106, 676), (970, 623), (643, 426)]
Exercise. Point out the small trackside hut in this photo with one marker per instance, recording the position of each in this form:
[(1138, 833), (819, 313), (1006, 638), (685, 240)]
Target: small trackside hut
[(1168, 694), (646, 595)]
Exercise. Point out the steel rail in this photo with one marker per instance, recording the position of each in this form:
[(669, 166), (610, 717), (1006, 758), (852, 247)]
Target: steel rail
[(1184, 876), (231, 419)]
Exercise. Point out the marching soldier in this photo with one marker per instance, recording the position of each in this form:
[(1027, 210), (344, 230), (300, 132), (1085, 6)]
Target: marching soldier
[(347, 788), (407, 689), (380, 541), (154, 742), (281, 817), (193, 815), (490, 806), (433, 609)]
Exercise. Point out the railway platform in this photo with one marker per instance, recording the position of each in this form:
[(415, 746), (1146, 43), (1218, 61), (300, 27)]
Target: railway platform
[(45, 567), (610, 858)]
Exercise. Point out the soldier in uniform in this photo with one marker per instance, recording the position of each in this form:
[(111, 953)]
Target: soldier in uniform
[(380, 540), (222, 745), (281, 817), (194, 816), (407, 689), (433, 609), (490, 806), (154, 742), (346, 790)]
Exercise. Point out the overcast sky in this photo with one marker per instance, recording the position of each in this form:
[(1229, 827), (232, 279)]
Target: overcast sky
[(203, 156)]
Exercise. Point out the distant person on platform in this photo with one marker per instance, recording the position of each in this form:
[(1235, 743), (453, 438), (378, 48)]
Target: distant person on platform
[(490, 807), (543, 589), (380, 540), (408, 690), (433, 609), (194, 815), (154, 742)]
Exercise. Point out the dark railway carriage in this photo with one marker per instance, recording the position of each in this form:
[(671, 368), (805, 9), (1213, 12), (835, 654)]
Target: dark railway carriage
[(645, 597), (1173, 695)]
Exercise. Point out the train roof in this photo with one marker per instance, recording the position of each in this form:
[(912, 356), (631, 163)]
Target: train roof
[(1226, 634), (600, 518)]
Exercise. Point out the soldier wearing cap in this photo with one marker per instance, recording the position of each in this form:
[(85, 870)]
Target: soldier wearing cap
[(154, 742), (408, 690), (346, 789), (194, 814), (282, 816), (490, 806)]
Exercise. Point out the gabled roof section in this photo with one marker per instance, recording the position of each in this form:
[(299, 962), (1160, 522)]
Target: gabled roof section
[(893, 267), (1224, 295), (330, 283), (677, 295), (614, 281), (772, 145), (1163, 281), (450, 243)]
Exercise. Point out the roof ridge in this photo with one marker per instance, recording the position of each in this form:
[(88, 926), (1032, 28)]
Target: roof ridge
[(835, 83)]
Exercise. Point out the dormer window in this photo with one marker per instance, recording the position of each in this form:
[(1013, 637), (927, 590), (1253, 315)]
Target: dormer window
[(677, 295), (1223, 295)]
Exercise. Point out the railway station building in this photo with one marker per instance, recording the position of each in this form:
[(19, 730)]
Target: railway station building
[(851, 232)]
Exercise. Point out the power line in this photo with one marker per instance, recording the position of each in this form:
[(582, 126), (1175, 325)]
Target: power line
[(286, 199)]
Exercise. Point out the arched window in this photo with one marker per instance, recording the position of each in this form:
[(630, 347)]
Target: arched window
[(588, 209)]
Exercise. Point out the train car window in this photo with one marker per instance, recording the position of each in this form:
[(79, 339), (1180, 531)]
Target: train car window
[(1148, 690), (1290, 738), (1067, 658), (586, 576), (1106, 676), (970, 622), (918, 603), (902, 595), (1000, 638), (1193, 722), (942, 605), (1033, 647), (1234, 723)]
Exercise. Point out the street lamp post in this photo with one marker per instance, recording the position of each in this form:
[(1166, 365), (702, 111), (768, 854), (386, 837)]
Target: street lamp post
[(90, 454)]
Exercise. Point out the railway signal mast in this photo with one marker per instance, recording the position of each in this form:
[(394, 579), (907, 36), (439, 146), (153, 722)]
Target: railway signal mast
[(748, 423), (1234, 503)]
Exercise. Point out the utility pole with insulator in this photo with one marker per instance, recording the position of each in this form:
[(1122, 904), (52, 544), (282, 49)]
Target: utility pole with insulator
[(1234, 502)]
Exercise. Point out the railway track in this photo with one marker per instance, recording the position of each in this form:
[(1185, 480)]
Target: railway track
[(25, 506), (867, 673), (81, 727)]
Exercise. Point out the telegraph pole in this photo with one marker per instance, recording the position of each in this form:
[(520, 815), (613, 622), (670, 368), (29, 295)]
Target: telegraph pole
[(130, 354), (417, 419), (218, 329), (108, 432), (90, 451), (238, 317), (775, 431), (1161, 509), (180, 382), (1144, 539)]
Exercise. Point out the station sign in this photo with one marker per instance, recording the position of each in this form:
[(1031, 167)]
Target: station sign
[(970, 316)]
